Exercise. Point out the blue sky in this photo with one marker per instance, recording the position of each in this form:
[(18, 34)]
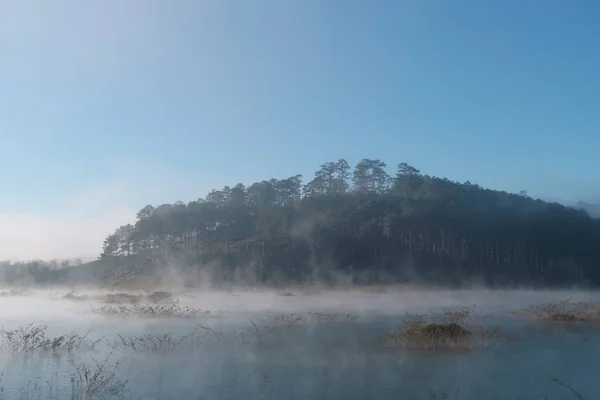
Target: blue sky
[(107, 106)]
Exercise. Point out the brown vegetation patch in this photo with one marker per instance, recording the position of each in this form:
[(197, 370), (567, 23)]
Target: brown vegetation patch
[(454, 333), (562, 311), (445, 335)]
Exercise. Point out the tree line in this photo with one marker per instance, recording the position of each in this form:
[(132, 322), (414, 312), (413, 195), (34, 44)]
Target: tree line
[(34, 271), (363, 225)]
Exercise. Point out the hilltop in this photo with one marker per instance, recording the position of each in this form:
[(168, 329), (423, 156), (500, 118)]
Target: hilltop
[(364, 226), (356, 225)]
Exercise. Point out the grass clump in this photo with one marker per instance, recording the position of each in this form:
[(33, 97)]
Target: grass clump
[(156, 311), (32, 338), (454, 332), (563, 311), (290, 319), (154, 343), (444, 335)]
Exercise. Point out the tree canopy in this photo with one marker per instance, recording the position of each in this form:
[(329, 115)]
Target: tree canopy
[(365, 225)]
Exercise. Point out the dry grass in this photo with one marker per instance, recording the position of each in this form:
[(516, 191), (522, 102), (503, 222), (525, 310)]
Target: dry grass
[(154, 343), (310, 317), (562, 311), (445, 335), (34, 338), (455, 332), (156, 311), (124, 297), (91, 381), (456, 315)]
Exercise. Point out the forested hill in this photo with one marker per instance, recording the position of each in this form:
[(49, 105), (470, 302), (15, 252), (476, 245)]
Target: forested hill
[(362, 224)]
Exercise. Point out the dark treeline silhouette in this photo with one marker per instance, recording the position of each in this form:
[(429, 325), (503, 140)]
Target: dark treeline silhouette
[(364, 225)]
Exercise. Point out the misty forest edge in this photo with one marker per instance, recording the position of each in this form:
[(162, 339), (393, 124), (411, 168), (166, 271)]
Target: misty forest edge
[(361, 226)]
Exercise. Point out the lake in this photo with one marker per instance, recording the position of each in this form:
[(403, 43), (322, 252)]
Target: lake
[(257, 350)]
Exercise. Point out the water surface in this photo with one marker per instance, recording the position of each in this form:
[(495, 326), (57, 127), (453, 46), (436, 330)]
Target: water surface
[(311, 361)]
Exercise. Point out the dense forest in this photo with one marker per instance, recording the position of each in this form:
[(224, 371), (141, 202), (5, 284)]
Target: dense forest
[(364, 226)]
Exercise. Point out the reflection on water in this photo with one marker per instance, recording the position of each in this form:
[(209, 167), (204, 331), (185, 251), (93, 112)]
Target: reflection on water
[(307, 361)]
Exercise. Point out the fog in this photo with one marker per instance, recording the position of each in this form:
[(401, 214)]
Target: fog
[(84, 216), (262, 344), (31, 236), (111, 106)]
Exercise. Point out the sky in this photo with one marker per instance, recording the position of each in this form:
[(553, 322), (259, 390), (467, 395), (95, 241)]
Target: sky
[(107, 106)]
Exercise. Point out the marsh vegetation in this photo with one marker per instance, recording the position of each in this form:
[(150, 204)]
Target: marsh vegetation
[(454, 331), (563, 311), (33, 337), (249, 346), (156, 311)]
